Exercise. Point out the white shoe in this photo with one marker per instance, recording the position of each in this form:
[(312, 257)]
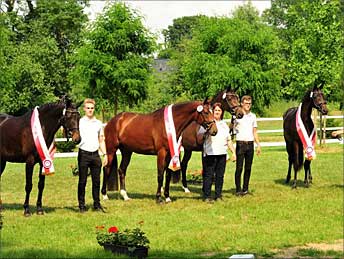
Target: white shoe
[(186, 189)]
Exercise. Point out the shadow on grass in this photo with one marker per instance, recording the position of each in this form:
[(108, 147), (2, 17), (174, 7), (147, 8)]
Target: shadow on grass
[(299, 183)]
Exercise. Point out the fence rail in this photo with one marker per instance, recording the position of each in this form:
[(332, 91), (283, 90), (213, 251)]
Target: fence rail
[(263, 144)]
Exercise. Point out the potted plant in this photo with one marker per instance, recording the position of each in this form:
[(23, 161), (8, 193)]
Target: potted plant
[(132, 242)]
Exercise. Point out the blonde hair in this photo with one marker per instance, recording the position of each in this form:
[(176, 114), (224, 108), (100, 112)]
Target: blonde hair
[(246, 98), (89, 100)]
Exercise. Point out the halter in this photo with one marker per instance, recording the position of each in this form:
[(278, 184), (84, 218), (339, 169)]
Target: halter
[(225, 94), (63, 119), (205, 124), (317, 106)]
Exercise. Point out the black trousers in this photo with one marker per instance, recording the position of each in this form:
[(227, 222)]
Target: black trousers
[(244, 152), (213, 168), (89, 160)]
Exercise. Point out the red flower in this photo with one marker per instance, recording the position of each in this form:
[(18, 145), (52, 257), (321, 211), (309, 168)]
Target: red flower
[(113, 230)]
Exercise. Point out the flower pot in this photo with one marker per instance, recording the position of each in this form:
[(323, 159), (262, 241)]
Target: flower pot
[(138, 252)]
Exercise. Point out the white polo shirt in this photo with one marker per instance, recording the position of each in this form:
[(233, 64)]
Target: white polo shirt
[(218, 144), (90, 130), (245, 127)]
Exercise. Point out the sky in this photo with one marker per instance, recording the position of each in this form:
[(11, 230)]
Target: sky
[(158, 15)]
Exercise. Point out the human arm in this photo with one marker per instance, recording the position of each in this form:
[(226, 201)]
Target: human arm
[(232, 149), (102, 146), (256, 140)]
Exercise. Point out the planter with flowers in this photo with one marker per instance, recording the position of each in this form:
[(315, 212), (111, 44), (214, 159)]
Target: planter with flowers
[(132, 242)]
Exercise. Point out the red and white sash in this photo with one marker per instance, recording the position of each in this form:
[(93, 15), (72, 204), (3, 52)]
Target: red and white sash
[(46, 155), (173, 144), (308, 142)]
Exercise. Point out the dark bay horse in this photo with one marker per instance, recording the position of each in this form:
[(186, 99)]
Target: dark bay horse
[(231, 103), (145, 134), (313, 99), (17, 143)]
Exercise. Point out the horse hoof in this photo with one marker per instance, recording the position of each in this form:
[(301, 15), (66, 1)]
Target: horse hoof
[(160, 201), (293, 186), (168, 200), (105, 197), (27, 214), (40, 212)]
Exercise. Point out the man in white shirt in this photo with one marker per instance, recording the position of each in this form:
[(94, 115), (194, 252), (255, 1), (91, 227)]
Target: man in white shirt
[(92, 142), (246, 128)]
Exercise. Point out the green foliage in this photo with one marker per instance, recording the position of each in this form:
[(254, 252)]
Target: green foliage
[(114, 61), (65, 146), (128, 237), (312, 32), (220, 55), (35, 44)]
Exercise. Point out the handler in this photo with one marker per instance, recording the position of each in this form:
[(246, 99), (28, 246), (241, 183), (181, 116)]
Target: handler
[(215, 154), (92, 140)]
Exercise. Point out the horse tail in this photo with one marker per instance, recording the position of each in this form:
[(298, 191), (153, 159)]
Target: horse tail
[(176, 176), (299, 158)]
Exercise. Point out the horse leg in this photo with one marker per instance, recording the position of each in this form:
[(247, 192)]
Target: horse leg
[(184, 166), (28, 188), (309, 173), (161, 165), (298, 158), (290, 160), (106, 171), (306, 167), (2, 166), (167, 185), (126, 156), (41, 182)]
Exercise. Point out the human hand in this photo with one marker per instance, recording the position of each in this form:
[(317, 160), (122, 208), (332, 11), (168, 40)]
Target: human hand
[(259, 150), (233, 158)]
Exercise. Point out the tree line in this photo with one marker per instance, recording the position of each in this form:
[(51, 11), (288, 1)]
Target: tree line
[(49, 48)]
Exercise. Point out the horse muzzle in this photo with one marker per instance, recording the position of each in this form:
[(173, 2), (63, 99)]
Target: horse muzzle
[(76, 138), (212, 129), (238, 112)]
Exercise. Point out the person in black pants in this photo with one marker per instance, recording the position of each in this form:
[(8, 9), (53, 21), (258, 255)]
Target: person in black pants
[(215, 154), (246, 135), (92, 140)]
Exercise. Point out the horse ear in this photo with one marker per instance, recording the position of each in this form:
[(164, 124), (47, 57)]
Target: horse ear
[(79, 104), (206, 100)]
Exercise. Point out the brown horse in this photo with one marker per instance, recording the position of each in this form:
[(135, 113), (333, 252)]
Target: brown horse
[(313, 99), (145, 134), (231, 103), (17, 143)]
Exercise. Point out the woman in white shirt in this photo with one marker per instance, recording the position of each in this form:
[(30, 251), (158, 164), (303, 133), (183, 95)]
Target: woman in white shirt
[(214, 156)]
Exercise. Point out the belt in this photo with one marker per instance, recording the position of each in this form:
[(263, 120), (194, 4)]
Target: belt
[(88, 153), (244, 142)]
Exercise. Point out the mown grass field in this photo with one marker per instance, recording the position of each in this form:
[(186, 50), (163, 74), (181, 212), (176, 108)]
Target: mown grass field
[(273, 216)]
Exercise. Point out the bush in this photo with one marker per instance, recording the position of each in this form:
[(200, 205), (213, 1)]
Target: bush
[(65, 146)]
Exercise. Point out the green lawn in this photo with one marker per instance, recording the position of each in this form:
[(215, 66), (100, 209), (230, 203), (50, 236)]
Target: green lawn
[(274, 216)]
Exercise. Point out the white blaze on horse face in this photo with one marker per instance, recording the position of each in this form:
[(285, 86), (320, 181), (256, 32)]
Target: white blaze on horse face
[(200, 108), (311, 95), (224, 95)]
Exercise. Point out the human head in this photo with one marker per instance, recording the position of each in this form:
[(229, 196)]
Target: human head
[(218, 111), (246, 103), (89, 105)]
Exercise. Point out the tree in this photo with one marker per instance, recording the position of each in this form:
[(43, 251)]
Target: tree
[(114, 61), (241, 52), (34, 61), (313, 35)]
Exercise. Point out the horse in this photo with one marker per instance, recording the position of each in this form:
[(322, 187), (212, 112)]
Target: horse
[(145, 134), (313, 98), (18, 146), (230, 102)]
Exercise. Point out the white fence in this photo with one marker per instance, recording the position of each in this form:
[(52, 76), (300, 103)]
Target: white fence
[(263, 144)]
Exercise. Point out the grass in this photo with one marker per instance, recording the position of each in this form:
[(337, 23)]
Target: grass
[(274, 216)]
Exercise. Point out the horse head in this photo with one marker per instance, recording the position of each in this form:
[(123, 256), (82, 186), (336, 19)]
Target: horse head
[(318, 99), (231, 102), (70, 119), (206, 117)]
